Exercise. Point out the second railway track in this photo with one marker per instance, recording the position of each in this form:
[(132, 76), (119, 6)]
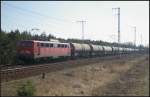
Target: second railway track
[(27, 71)]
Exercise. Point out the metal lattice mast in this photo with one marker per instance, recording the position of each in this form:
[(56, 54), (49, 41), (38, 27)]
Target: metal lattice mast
[(82, 22), (141, 39), (118, 13), (134, 36)]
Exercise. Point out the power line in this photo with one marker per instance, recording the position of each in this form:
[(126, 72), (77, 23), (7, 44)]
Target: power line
[(52, 24), (37, 13), (23, 25), (37, 21)]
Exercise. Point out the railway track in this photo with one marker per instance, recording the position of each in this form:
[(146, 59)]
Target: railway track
[(27, 71)]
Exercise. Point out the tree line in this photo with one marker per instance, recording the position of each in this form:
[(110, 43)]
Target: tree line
[(8, 44)]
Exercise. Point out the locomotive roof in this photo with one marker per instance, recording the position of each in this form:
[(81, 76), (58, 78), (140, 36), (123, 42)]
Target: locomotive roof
[(45, 41)]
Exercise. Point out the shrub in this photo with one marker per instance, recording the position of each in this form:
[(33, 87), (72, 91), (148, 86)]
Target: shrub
[(27, 89)]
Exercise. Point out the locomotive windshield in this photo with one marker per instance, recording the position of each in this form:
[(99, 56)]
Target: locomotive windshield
[(25, 44)]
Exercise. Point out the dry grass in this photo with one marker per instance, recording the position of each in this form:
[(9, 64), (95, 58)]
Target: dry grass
[(94, 79), (134, 82)]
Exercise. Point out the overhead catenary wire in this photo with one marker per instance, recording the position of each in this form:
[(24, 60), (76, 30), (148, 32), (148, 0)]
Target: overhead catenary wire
[(49, 23), (37, 13), (38, 22)]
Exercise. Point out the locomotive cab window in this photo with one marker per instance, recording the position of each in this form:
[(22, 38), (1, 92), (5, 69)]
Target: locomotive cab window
[(26, 43)]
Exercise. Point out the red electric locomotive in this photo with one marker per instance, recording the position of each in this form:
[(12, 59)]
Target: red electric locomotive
[(43, 49)]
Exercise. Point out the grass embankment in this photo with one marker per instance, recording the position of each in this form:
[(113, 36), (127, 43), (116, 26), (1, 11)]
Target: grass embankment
[(134, 82)]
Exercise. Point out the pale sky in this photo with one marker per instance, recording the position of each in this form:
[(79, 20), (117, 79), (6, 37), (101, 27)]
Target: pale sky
[(59, 18)]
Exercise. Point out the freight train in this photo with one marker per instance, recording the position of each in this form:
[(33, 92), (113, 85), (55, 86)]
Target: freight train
[(33, 49)]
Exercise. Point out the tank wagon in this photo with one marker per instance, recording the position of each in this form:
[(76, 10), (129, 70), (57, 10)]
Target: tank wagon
[(107, 50), (32, 49), (80, 50), (96, 50)]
